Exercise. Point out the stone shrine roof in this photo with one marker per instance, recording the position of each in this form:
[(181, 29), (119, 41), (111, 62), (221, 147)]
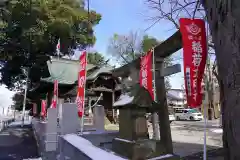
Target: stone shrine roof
[(124, 99), (138, 97)]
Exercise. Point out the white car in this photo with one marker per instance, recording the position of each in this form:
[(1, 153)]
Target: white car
[(171, 118), (188, 114)]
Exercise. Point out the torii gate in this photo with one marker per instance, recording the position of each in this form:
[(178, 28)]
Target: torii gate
[(163, 50)]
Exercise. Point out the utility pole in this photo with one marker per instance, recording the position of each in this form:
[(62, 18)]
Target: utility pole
[(26, 70), (25, 96)]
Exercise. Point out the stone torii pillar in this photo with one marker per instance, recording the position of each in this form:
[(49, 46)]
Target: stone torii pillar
[(163, 115)]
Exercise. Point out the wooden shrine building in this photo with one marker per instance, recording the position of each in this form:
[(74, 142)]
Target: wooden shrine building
[(100, 81)]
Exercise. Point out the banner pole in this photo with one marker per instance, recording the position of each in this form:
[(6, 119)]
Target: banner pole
[(195, 50), (205, 109), (205, 134), (156, 134), (25, 96), (87, 50)]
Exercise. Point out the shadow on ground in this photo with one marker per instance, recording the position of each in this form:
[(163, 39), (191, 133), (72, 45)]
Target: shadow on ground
[(194, 127), (214, 154), (17, 143), (190, 151)]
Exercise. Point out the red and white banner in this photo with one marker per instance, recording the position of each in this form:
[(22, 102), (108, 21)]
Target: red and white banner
[(146, 72), (194, 56), (55, 95), (43, 108), (81, 84)]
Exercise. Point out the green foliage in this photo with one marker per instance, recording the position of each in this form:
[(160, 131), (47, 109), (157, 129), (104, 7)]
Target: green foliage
[(31, 29), (148, 43), (95, 58)]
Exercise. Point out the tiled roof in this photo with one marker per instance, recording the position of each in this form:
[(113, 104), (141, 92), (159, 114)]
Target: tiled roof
[(64, 70)]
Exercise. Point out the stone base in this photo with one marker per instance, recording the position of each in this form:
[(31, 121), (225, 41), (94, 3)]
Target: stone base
[(140, 149), (131, 149), (123, 148)]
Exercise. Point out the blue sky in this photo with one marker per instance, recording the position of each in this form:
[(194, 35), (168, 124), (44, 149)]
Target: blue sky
[(123, 16)]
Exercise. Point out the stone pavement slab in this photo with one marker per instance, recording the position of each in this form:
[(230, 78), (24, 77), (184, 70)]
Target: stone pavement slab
[(17, 143)]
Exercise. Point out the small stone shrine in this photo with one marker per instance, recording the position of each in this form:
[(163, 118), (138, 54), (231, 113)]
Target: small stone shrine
[(133, 141), (133, 137)]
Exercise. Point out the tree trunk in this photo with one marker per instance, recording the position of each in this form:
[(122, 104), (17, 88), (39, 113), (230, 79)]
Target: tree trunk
[(209, 91), (224, 20)]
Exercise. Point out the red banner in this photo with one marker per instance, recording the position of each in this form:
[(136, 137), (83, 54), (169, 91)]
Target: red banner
[(194, 56), (55, 95), (81, 84), (146, 72), (43, 108)]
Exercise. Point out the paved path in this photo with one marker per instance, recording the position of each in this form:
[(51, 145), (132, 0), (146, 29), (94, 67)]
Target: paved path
[(188, 136), (17, 143)]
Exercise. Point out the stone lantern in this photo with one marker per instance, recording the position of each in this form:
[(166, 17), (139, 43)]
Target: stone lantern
[(133, 141), (133, 137)]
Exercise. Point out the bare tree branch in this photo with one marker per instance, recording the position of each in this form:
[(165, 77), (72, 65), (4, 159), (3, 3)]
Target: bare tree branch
[(125, 48), (171, 10), (152, 25), (194, 12)]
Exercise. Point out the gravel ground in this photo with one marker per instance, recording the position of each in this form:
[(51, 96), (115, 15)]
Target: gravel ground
[(17, 143)]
